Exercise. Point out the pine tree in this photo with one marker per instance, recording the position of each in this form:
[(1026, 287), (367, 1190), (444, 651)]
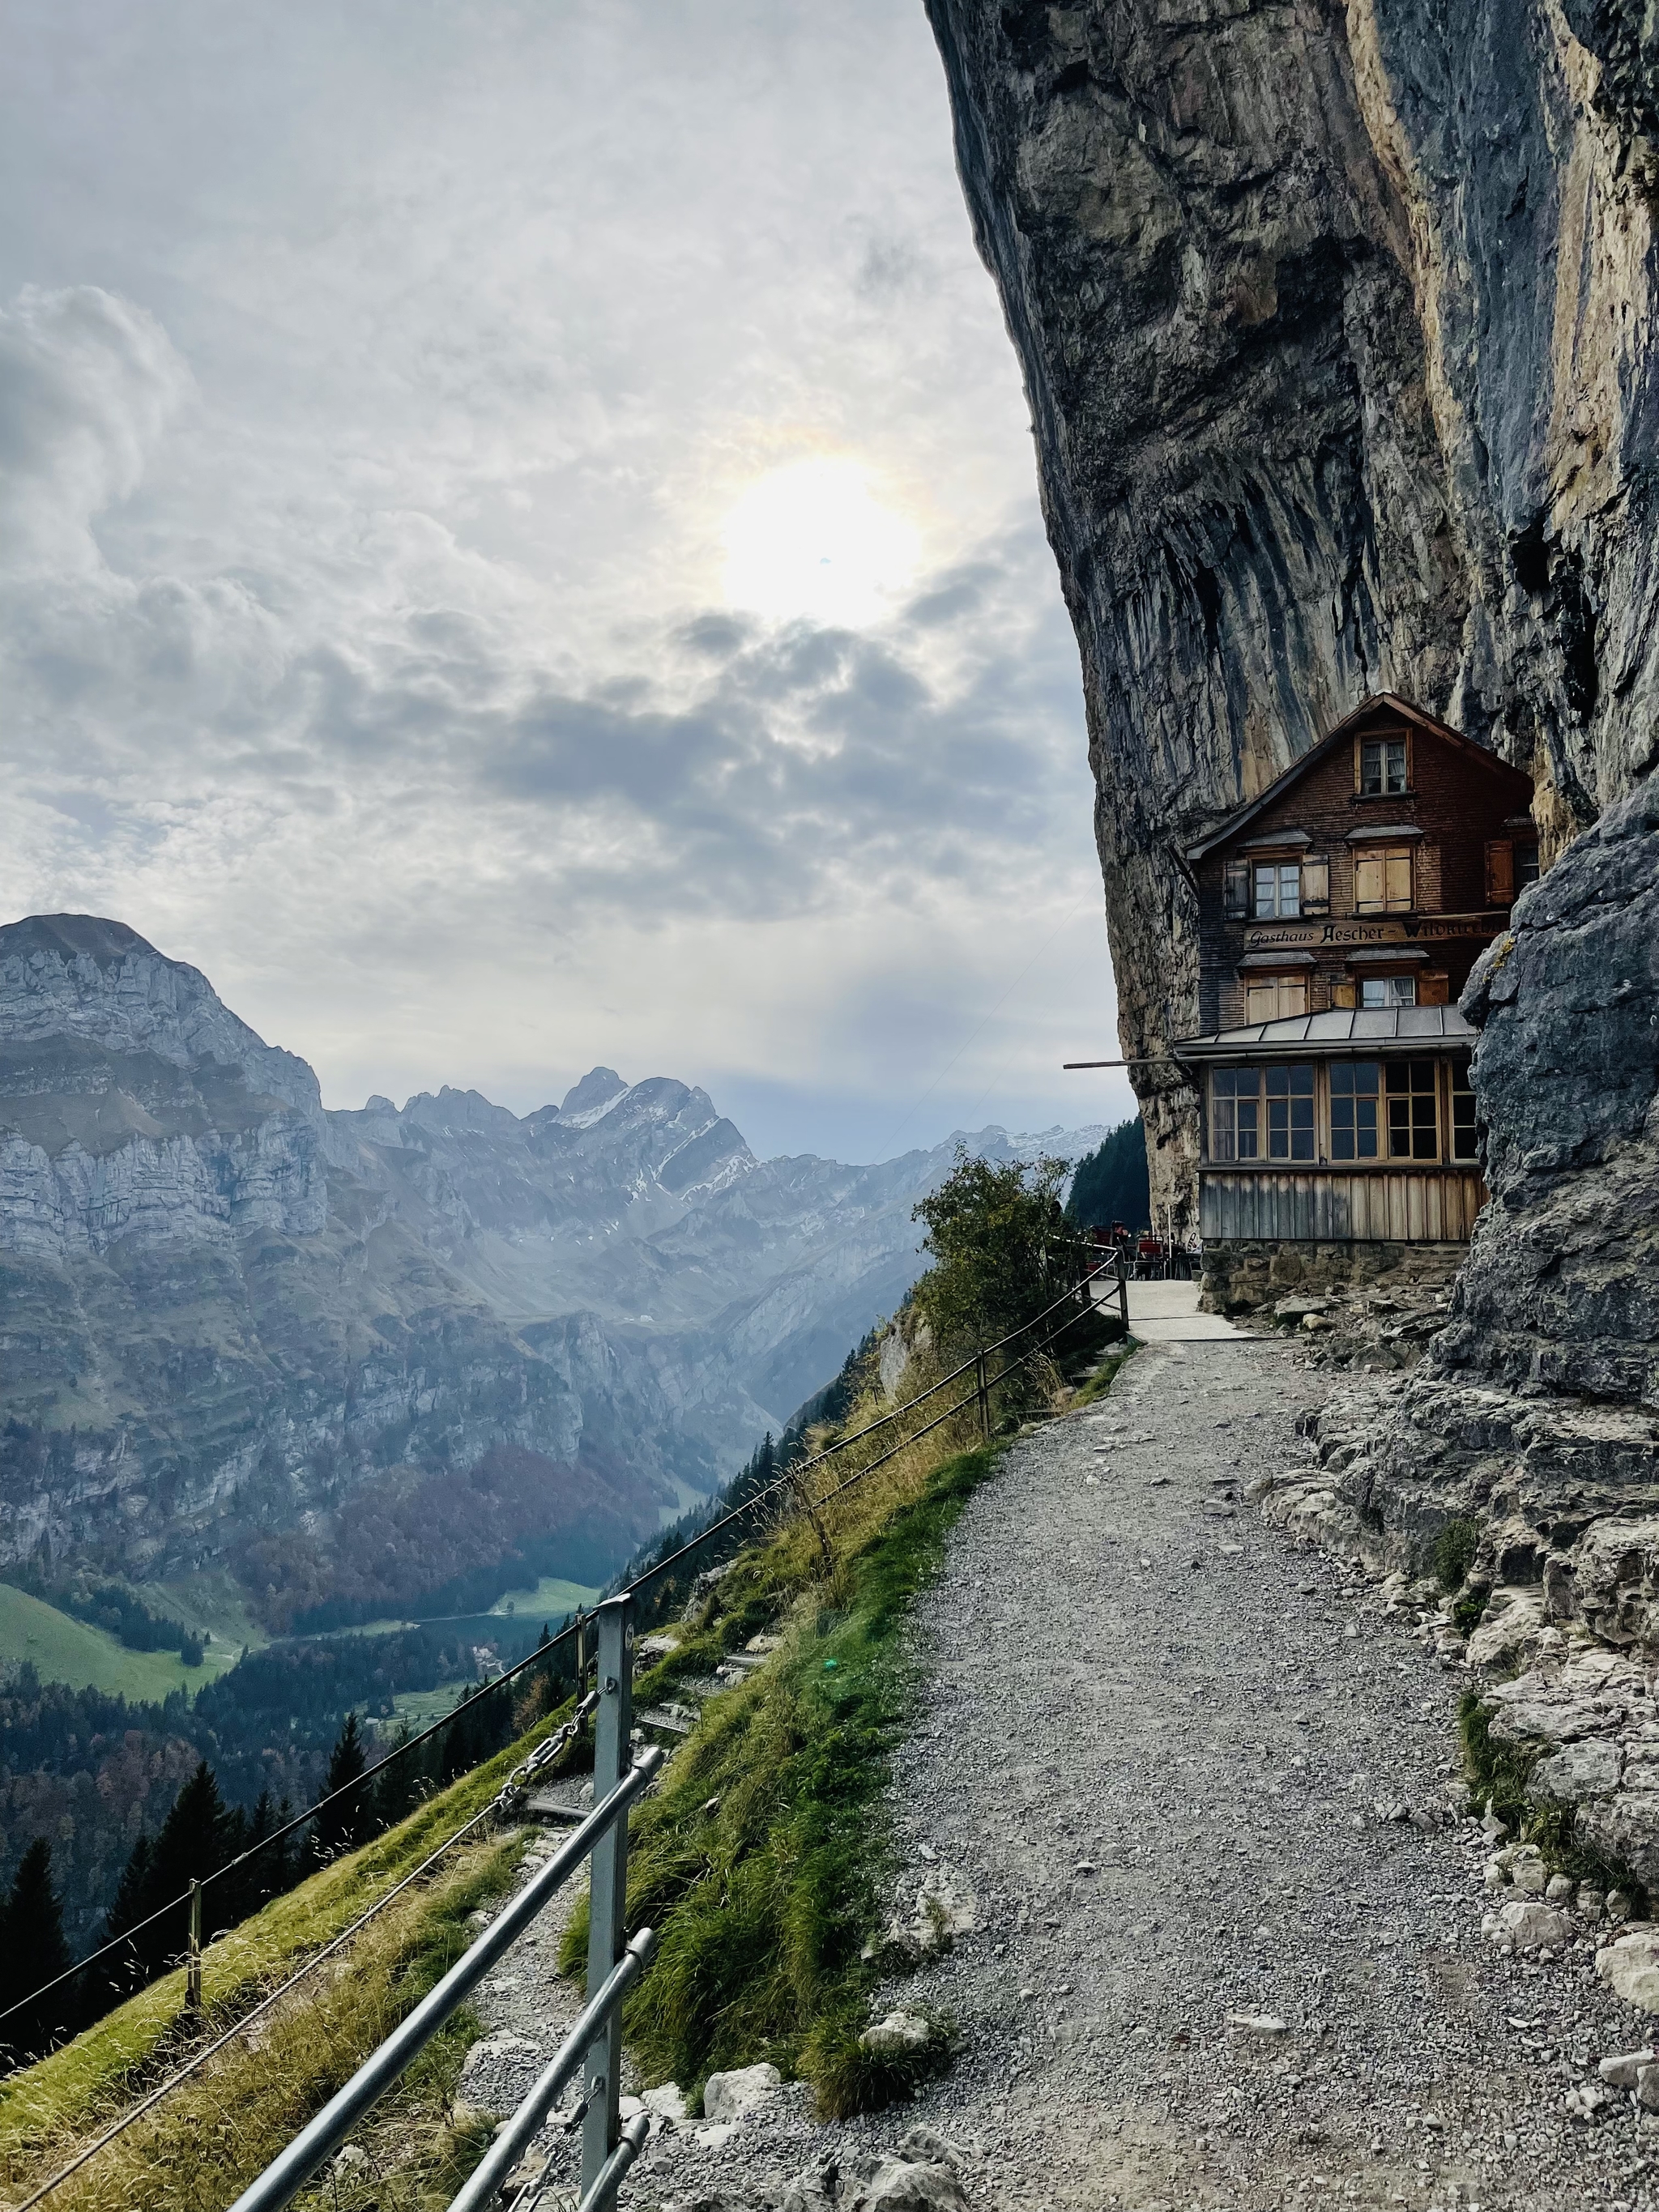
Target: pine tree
[(32, 1952), (343, 1825)]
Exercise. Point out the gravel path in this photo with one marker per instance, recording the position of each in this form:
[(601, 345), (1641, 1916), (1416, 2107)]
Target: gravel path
[(1154, 1744)]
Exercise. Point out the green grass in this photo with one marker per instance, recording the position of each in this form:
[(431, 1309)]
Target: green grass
[(420, 1708), (1453, 1552), (1096, 1384), (212, 1600), (549, 1600), (63, 1649), (765, 1903), (249, 2102)]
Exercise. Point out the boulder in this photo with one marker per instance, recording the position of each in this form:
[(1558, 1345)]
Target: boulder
[(1531, 1924), (900, 2032), (1619, 2072), (666, 2104), (1590, 1768), (1629, 1967), (900, 2185), (730, 2096)]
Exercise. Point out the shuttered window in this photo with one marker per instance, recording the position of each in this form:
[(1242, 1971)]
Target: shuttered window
[(1274, 997), (1500, 872), (1236, 890), (1278, 889), (1317, 884), (1377, 991), (1383, 880)]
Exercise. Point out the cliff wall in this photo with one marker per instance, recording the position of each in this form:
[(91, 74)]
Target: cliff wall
[(1337, 328)]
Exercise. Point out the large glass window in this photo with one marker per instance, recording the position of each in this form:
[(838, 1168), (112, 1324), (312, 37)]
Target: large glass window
[(1290, 1113), (1382, 766), (1383, 880), (1355, 1088), (1465, 1138), (1278, 889), (1413, 1123), (1236, 1113), (1274, 997), (1377, 991)]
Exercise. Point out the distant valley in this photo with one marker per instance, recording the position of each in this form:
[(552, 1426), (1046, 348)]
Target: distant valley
[(386, 1362)]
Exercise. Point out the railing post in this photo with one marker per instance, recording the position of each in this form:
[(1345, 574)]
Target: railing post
[(1123, 1287), (982, 1391), (193, 1951), (608, 1892)]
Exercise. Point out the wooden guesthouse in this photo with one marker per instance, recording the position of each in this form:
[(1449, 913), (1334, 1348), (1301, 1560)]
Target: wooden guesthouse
[(1339, 914)]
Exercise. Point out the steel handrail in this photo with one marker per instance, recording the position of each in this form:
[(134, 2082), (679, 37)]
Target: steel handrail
[(515, 2138), (289, 2170)]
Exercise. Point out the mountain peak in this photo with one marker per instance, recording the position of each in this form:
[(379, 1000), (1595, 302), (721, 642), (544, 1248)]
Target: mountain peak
[(594, 1092), (73, 937)]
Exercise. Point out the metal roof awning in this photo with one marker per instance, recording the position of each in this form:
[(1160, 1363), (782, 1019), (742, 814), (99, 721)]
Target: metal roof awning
[(1343, 1033)]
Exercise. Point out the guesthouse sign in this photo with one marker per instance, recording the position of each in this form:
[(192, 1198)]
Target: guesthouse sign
[(1370, 929)]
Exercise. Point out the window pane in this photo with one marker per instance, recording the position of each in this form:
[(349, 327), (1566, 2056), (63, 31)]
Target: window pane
[(1290, 889), (1413, 1123), (1526, 866), (1465, 1144), (1377, 991), (1290, 1112), (1355, 1085), (1266, 880)]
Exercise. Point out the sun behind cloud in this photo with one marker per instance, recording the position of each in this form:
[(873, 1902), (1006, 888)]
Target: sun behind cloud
[(812, 539)]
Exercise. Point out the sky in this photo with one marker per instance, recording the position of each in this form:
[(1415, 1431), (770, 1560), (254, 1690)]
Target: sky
[(519, 549)]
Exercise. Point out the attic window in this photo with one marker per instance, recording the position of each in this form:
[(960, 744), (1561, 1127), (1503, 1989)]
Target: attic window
[(1383, 767)]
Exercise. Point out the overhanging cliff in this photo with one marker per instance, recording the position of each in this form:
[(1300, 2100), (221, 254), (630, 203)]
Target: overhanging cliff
[(1337, 330)]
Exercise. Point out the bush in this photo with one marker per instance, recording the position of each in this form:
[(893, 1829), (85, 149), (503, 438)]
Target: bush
[(1000, 1243)]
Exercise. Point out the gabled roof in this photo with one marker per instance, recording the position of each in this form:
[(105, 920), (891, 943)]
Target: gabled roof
[(1342, 1033), (1387, 705)]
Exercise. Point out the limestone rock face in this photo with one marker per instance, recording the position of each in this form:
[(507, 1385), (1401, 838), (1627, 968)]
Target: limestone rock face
[(1337, 328)]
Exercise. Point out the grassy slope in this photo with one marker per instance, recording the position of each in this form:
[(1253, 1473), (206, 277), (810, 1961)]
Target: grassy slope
[(765, 1901), (250, 2101), (64, 1650)]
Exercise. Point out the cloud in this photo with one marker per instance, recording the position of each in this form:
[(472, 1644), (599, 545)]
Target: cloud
[(88, 382), (364, 617)]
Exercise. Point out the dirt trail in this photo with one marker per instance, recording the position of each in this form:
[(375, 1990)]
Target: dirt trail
[(1153, 1744), (1157, 1735)]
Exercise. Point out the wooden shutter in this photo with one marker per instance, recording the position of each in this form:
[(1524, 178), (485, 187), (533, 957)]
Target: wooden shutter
[(1399, 871), (1500, 872), (1367, 882), (1316, 884), (1432, 988), (1343, 992), (1236, 890)]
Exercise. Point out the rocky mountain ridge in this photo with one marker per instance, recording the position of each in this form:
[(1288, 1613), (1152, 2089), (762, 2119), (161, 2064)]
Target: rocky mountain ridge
[(235, 1321)]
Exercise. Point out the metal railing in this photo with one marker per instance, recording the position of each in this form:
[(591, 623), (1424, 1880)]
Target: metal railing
[(608, 2149), (594, 2043)]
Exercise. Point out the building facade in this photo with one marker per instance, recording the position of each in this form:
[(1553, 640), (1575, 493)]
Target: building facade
[(1341, 913)]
